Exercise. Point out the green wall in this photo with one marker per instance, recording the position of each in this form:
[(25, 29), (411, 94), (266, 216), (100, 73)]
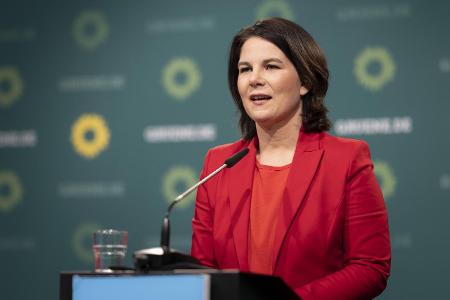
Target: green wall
[(108, 107)]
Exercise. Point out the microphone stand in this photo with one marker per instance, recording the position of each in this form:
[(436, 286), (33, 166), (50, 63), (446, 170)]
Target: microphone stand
[(165, 230), (165, 258)]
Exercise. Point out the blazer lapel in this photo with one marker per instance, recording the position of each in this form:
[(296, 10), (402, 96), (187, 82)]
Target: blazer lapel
[(241, 180), (306, 160)]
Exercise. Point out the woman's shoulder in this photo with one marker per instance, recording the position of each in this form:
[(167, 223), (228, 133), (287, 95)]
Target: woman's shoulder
[(344, 147), (332, 141), (218, 154), (228, 149)]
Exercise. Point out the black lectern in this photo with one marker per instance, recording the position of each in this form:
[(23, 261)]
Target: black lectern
[(218, 285)]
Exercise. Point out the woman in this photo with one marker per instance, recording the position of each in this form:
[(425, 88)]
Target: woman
[(302, 205)]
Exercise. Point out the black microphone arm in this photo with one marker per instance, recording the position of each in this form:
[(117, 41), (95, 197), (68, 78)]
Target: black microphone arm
[(165, 229), (164, 258)]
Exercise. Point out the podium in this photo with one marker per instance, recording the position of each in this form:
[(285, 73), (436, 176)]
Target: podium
[(178, 284)]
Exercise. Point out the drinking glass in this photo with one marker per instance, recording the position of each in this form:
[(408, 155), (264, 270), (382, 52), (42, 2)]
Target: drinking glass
[(110, 247)]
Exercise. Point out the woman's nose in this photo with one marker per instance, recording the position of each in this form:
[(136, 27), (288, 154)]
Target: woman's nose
[(256, 78)]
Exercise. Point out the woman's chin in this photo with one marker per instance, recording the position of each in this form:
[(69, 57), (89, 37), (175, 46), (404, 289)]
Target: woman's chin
[(263, 120), (266, 123)]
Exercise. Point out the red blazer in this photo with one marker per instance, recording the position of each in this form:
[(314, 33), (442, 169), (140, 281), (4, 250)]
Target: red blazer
[(332, 238)]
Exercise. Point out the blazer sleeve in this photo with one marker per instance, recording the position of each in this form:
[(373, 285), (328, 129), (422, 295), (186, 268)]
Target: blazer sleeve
[(366, 239), (202, 224)]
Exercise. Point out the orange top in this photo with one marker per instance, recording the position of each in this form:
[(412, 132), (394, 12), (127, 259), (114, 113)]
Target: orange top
[(268, 187)]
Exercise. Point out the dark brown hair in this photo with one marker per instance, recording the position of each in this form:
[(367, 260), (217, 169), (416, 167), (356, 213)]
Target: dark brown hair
[(307, 58)]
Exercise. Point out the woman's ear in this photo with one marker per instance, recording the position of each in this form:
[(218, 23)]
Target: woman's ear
[(303, 90)]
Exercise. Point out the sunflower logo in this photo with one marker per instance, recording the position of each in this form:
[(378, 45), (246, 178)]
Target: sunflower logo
[(11, 86), (272, 8), (386, 176), (10, 191), (90, 135), (181, 77), (177, 180), (82, 241), (368, 57), (90, 29)]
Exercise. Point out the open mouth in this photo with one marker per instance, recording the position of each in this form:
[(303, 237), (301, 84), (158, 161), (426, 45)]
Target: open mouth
[(260, 97)]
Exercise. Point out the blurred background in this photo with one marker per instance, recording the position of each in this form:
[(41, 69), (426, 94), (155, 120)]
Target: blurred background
[(107, 109)]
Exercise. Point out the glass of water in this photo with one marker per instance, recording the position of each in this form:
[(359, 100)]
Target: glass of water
[(109, 247)]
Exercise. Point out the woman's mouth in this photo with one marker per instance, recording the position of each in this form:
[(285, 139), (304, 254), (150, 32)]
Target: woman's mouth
[(260, 97)]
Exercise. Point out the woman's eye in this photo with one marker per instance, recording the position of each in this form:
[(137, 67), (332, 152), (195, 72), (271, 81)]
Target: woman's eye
[(269, 67), (243, 70)]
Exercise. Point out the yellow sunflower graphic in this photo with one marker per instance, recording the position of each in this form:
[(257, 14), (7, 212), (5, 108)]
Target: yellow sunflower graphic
[(176, 180), (11, 78), (374, 81), (95, 125), (385, 174), (186, 68), (12, 191), (82, 241), (273, 8), (90, 29)]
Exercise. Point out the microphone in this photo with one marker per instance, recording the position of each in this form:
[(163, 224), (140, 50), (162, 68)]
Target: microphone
[(164, 258)]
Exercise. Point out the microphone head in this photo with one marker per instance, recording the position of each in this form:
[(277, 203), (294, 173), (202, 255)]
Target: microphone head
[(235, 158)]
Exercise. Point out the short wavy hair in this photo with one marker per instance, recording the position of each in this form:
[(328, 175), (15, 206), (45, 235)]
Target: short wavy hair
[(306, 56)]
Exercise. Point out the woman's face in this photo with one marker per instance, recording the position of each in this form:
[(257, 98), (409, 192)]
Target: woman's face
[(268, 84)]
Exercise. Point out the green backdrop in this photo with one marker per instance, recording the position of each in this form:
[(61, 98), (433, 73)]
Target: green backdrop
[(107, 109)]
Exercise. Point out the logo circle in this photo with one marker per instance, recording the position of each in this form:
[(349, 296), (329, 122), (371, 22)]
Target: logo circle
[(97, 126), (82, 241), (175, 176), (181, 66), (11, 77), (368, 56), (14, 193), (272, 8), (90, 29), (385, 174)]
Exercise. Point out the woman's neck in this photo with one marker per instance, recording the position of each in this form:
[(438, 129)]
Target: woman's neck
[(277, 145)]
